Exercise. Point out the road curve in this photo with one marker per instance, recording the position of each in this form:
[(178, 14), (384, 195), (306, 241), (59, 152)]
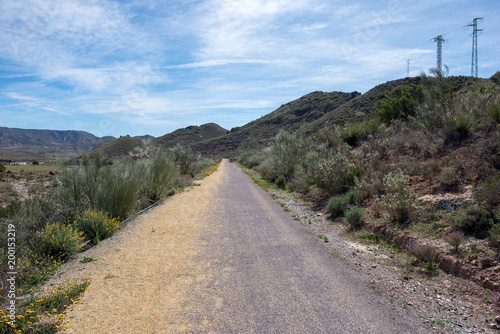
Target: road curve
[(225, 258)]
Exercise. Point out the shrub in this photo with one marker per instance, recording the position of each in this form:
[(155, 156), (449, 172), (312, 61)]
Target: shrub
[(282, 157), (281, 182), (455, 239), (354, 217), (336, 206), (354, 197), (118, 192), (61, 241), (96, 226), (488, 192), (423, 252), (494, 112), (158, 174), (185, 159), (399, 201), (494, 237), (289, 186), (473, 220), (335, 174), (355, 132), (461, 124), (398, 103)]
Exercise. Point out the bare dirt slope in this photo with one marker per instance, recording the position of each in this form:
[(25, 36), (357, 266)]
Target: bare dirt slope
[(225, 258)]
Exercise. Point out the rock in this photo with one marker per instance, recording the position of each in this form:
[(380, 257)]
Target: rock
[(374, 265), (486, 263), (474, 262), (472, 258), (496, 269)]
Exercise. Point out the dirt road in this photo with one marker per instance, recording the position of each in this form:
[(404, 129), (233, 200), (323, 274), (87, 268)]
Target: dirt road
[(225, 258)]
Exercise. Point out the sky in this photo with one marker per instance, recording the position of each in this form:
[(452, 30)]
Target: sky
[(139, 67)]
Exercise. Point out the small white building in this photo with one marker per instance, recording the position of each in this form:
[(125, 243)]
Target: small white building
[(18, 163)]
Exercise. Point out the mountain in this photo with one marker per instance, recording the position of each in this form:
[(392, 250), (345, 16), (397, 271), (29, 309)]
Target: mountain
[(291, 117), (190, 135), (13, 138)]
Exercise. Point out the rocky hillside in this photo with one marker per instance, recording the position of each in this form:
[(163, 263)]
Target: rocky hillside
[(191, 135), (291, 117)]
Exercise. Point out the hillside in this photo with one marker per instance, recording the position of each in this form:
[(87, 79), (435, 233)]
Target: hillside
[(190, 135), (291, 117), (363, 105), (120, 146)]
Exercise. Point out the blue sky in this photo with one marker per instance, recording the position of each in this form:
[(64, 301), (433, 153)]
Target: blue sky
[(149, 67)]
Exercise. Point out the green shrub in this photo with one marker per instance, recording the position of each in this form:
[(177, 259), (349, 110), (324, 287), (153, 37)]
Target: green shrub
[(399, 103), (282, 157), (488, 192), (336, 173), (494, 112), (118, 191), (473, 220), (494, 237), (355, 132), (61, 241), (354, 217), (186, 160), (400, 200), (336, 206), (281, 182), (289, 186), (158, 174), (96, 226), (461, 124), (354, 197)]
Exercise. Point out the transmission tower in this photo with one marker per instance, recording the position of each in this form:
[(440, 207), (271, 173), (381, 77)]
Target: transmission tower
[(473, 71), (439, 40), (408, 68)]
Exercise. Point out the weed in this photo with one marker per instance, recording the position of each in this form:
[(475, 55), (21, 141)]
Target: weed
[(425, 253), (87, 260), (455, 239)]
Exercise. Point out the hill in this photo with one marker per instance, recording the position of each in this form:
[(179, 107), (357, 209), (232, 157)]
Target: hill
[(291, 117), (120, 146), (190, 135)]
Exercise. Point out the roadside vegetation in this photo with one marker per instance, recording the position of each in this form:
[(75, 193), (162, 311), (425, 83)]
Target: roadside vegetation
[(87, 201), (419, 142)]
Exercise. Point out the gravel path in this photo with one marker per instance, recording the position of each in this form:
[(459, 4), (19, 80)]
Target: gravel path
[(225, 258)]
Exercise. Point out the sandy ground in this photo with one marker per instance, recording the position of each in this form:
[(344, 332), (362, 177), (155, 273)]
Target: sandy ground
[(224, 258)]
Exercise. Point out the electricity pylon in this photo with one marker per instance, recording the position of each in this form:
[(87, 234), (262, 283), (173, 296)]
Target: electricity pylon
[(473, 71), (439, 40)]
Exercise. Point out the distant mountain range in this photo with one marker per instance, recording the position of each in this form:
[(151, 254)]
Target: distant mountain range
[(12, 138)]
